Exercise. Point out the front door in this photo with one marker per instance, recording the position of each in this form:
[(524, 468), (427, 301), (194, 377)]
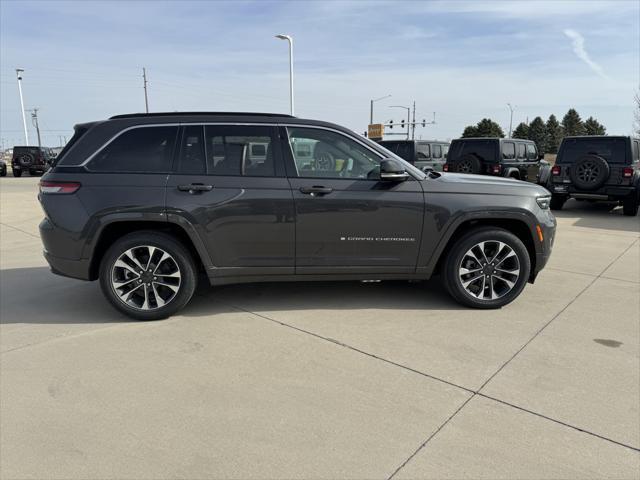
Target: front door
[(347, 220), (229, 185)]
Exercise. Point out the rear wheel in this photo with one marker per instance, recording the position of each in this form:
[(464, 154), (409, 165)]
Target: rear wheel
[(148, 275), (557, 202), (630, 206), (487, 268)]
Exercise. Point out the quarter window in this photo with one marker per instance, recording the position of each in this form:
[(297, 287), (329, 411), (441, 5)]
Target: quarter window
[(508, 151), (245, 150), (192, 157), (327, 154), (142, 149), (437, 151)]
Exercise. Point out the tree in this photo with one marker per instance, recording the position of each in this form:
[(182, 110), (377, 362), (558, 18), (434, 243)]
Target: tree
[(572, 124), (554, 134), (488, 128), (470, 131), (538, 133), (636, 114), (521, 131), (593, 127)]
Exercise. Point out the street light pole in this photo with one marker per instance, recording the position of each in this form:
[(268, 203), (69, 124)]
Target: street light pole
[(511, 109), (34, 119), (146, 99), (371, 111), (290, 40), (408, 109), (24, 119)]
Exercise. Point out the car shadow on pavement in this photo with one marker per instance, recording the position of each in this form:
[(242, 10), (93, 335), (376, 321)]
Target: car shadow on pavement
[(601, 215), (35, 295)]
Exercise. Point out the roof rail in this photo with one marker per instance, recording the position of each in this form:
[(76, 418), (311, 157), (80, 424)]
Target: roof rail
[(173, 114)]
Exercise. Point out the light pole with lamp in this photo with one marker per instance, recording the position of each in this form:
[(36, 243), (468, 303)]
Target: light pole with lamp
[(24, 119), (511, 109), (408, 109), (371, 112), (290, 40)]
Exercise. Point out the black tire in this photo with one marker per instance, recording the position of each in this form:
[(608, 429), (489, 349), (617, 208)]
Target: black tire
[(557, 201), (630, 206), (3, 172), (453, 263), (468, 163), (169, 244), (589, 172), (17, 173)]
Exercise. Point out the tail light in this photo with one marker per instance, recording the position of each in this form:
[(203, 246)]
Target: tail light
[(496, 169), (59, 187), (556, 170), (627, 172), (445, 167)]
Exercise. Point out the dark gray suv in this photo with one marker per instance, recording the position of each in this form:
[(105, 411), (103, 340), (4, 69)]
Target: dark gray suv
[(145, 203)]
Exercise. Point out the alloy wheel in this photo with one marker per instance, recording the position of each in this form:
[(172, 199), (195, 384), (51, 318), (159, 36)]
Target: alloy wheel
[(489, 270)]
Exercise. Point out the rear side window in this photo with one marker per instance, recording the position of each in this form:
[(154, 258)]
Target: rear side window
[(437, 151), (142, 149), (611, 149), (508, 150), (246, 150), (636, 150), (522, 151), (422, 151), (192, 157), (532, 152)]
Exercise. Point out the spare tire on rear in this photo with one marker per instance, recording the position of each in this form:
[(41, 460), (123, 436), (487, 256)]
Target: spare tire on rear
[(589, 172), (468, 163)]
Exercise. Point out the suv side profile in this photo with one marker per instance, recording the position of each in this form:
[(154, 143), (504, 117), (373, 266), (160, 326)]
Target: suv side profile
[(503, 157), (146, 202), (597, 168), (424, 154), (34, 160)]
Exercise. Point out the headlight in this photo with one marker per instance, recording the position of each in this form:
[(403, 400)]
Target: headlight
[(543, 202)]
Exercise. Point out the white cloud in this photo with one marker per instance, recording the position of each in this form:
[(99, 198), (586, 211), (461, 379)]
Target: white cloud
[(578, 48)]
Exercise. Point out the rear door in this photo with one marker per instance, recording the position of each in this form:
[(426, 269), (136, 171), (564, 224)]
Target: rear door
[(347, 220), (229, 185)]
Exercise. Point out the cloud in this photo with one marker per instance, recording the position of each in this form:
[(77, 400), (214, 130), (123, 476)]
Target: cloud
[(578, 48)]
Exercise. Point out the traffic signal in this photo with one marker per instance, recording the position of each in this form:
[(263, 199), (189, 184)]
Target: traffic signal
[(402, 123), (424, 122), (390, 123)]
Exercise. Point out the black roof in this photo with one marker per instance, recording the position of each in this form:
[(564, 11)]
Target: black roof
[(208, 114)]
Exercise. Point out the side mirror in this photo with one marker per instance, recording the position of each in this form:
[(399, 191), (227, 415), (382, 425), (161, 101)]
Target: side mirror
[(392, 171)]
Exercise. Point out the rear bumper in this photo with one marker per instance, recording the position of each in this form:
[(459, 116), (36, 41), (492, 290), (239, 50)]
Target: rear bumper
[(68, 268), (603, 193)]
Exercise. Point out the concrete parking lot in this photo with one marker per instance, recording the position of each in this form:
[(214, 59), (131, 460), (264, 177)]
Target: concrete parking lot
[(342, 380)]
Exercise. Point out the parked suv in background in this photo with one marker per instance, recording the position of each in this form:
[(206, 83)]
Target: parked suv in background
[(424, 154), (146, 202), (503, 157), (34, 160), (597, 168)]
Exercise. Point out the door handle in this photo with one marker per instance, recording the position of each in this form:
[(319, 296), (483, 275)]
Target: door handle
[(195, 188), (316, 190)]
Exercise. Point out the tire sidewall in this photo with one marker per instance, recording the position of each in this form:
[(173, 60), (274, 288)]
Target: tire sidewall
[(170, 245), (452, 279)]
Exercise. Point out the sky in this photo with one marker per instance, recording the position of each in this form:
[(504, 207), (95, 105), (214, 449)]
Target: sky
[(463, 60)]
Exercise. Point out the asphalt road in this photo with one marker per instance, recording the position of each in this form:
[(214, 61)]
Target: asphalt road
[(342, 380)]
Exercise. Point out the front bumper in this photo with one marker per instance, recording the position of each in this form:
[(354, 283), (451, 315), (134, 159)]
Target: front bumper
[(547, 223)]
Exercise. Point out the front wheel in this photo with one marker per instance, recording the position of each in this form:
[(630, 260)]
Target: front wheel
[(630, 206), (487, 268), (148, 275)]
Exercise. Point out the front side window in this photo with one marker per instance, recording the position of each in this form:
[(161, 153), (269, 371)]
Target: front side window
[(239, 150), (422, 151), (331, 155), (532, 152), (142, 149), (508, 150), (437, 151)]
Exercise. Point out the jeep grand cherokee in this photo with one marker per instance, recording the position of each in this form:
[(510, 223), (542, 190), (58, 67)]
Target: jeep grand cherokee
[(145, 202)]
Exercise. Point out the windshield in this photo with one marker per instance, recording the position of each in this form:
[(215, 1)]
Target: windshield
[(611, 149)]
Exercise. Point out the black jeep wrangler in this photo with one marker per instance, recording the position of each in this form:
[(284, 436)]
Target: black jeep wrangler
[(35, 160), (597, 168), (424, 154), (503, 157)]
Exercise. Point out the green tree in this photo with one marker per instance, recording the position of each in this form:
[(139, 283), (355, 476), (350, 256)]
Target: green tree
[(593, 127), (554, 134), (521, 131), (488, 128), (538, 133), (470, 131), (636, 114), (572, 124)]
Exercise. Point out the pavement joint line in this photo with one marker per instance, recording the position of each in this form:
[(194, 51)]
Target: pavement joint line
[(592, 275), (20, 230)]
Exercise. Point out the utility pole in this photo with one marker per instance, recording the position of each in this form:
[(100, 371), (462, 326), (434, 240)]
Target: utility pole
[(24, 119), (146, 99), (511, 109), (34, 119), (413, 124)]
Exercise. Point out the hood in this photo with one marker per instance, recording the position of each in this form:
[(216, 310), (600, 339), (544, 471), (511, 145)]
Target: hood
[(485, 184)]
